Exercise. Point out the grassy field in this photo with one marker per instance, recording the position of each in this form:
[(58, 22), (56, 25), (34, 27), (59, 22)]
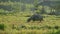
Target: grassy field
[(15, 21), (17, 24)]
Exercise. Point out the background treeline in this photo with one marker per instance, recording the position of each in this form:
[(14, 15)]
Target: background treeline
[(14, 6)]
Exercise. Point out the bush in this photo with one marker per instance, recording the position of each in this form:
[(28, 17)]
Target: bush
[(58, 32), (1, 26)]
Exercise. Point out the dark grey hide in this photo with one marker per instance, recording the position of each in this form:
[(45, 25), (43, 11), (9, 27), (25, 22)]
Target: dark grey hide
[(35, 17)]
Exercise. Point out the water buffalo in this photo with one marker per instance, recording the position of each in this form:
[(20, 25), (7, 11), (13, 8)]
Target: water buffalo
[(35, 17)]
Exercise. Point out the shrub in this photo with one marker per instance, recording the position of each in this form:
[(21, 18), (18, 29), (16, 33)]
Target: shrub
[(2, 27), (56, 27), (58, 32)]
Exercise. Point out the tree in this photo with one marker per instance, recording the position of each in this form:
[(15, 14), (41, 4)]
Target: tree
[(37, 5)]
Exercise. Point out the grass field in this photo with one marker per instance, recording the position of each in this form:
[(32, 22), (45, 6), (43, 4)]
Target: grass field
[(15, 21), (17, 24)]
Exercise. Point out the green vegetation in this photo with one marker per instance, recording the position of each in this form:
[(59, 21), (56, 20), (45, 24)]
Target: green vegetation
[(17, 24), (2, 26), (14, 15)]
